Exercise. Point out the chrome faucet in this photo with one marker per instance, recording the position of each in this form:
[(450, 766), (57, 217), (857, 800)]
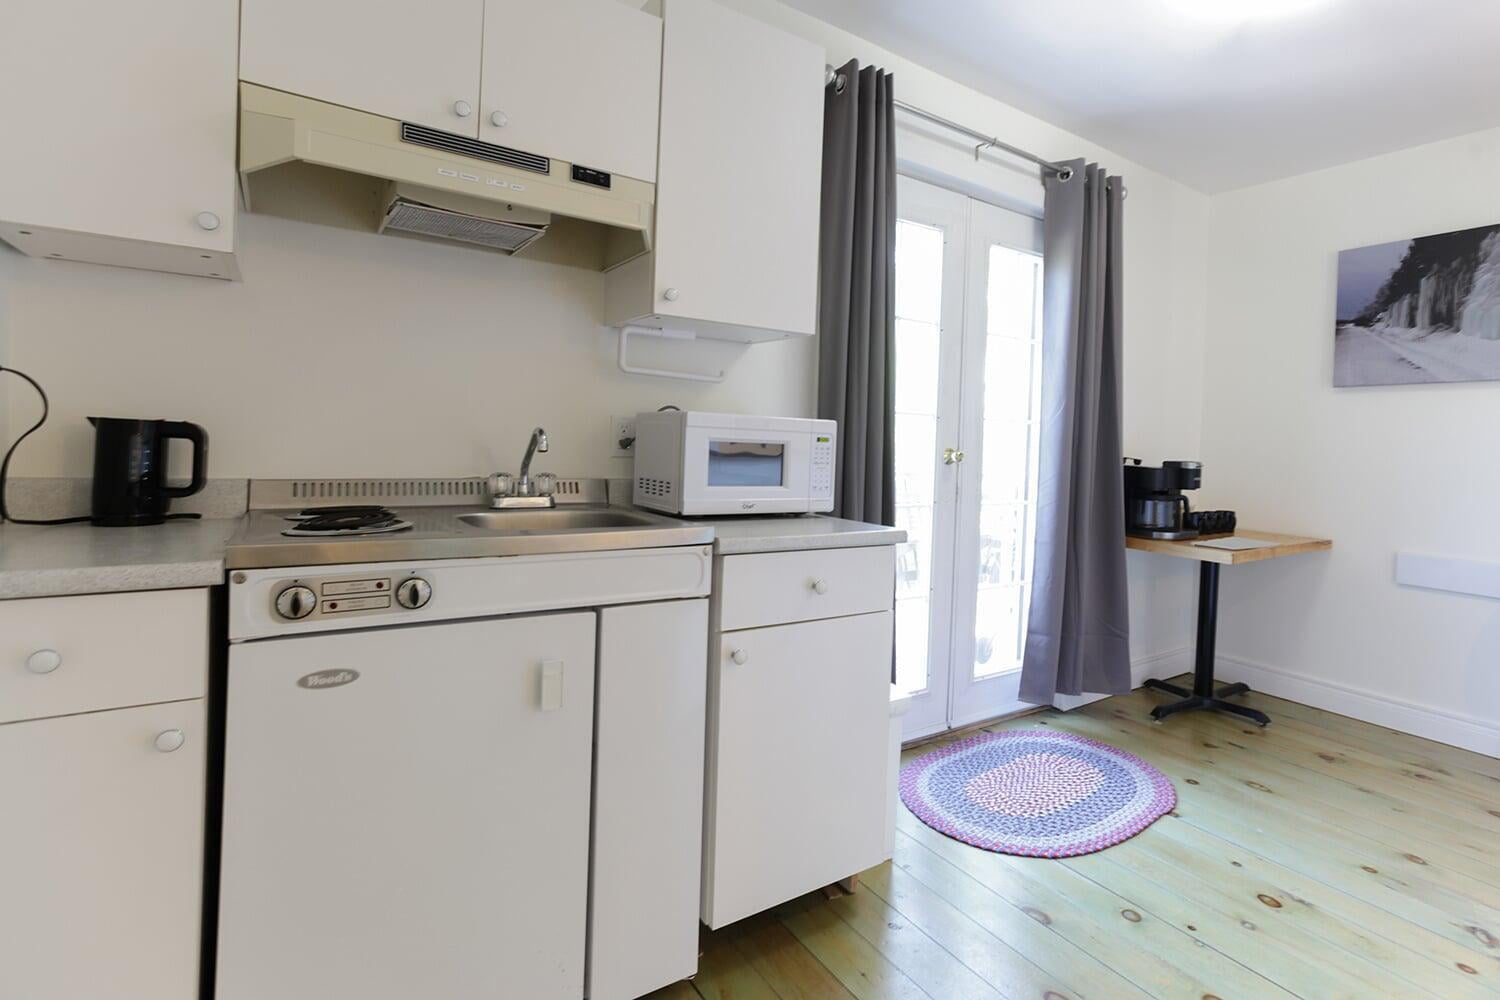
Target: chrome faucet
[(522, 491), (538, 443)]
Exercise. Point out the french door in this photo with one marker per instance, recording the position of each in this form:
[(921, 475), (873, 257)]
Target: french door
[(968, 360)]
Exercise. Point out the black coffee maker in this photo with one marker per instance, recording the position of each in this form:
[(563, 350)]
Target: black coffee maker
[(130, 469), (1154, 504)]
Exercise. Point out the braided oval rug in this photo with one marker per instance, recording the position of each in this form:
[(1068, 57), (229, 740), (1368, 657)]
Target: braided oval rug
[(1036, 793)]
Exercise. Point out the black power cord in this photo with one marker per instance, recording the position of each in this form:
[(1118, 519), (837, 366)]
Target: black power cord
[(5, 462)]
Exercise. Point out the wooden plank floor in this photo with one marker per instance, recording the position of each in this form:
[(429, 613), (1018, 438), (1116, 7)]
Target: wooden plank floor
[(1319, 858)]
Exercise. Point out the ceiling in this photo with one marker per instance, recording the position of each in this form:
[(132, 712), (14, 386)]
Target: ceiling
[(1214, 100)]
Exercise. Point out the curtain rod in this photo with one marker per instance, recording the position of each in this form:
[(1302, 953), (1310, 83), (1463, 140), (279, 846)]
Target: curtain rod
[(836, 78)]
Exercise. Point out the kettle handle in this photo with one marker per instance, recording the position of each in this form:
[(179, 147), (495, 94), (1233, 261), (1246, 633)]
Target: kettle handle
[(185, 431)]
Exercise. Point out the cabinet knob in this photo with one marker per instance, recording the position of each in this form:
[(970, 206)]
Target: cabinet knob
[(499, 119), (44, 661), (670, 294), (463, 109), (207, 221), (820, 586), (739, 656), (169, 740), (952, 456)]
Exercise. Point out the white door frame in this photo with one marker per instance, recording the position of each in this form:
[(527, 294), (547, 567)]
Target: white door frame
[(927, 204), (953, 697), (973, 700)]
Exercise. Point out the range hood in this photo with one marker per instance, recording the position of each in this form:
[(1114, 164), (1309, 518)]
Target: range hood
[(319, 162)]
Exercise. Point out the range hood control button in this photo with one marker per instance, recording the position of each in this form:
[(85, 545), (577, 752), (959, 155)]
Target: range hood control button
[(413, 593), (296, 602)]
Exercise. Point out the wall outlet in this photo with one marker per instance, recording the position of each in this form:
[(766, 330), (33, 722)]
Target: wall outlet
[(622, 436)]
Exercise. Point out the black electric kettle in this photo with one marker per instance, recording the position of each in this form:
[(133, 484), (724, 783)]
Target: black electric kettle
[(130, 468)]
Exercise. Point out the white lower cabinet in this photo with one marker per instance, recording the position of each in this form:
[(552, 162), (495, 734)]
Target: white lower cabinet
[(648, 798), (101, 854), (799, 734)]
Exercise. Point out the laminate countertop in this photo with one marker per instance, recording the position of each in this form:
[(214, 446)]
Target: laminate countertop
[(54, 560), (737, 535)]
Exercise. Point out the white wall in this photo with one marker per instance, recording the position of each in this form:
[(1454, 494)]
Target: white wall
[(347, 354), (350, 354), (1379, 470)]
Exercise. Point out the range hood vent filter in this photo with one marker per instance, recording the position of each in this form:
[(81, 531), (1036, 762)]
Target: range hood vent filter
[(425, 220), (421, 135)]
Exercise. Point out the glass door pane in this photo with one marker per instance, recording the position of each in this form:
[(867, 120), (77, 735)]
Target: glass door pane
[(1007, 529), (919, 277)]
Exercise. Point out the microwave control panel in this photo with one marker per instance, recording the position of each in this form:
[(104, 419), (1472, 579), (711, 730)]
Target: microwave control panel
[(822, 466)]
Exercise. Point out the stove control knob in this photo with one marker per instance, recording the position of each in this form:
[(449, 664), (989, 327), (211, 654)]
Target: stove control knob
[(296, 602), (413, 593)]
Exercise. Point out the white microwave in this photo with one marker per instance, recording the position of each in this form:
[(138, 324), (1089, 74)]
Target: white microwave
[(688, 462)]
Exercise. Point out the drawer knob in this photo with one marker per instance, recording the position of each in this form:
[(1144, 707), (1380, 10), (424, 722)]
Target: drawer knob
[(44, 661), (207, 221), (170, 739), (820, 586), (739, 656)]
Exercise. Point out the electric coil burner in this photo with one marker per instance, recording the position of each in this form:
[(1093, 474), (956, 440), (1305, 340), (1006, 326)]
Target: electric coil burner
[(351, 520)]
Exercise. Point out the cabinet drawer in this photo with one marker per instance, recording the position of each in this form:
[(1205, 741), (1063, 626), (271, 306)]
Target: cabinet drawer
[(62, 655), (774, 588), (799, 729)]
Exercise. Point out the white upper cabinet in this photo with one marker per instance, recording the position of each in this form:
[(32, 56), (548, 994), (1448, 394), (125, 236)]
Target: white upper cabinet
[(579, 80), (417, 62), (739, 173), (120, 132)]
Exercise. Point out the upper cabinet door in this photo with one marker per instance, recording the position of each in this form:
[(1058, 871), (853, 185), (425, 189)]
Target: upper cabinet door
[(120, 122), (739, 171), (579, 80), (417, 62)]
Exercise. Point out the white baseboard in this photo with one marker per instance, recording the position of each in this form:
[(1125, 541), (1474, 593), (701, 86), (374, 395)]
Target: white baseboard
[(1455, 729), (1167, 664), (1466, 731)]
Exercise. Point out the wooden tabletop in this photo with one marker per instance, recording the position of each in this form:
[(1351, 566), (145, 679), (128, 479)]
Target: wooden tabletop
[(1183, 548)]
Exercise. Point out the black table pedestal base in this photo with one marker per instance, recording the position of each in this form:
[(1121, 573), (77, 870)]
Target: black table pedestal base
[(1203, 695)]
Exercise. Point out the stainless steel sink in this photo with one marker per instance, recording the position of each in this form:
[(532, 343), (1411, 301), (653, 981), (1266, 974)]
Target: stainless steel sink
[(559, 519)]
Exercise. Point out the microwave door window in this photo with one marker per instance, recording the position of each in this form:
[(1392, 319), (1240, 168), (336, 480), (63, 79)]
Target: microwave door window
[(745, 463)]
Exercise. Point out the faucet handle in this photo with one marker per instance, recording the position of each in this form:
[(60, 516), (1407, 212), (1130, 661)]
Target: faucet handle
[(502, 484), (546, 484)]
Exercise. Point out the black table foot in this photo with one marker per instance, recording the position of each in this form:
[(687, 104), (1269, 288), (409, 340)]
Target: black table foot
[(1212, 703), (1157, 685)]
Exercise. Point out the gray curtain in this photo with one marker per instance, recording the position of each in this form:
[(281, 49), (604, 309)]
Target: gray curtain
[(1078, 633), (856, 290)]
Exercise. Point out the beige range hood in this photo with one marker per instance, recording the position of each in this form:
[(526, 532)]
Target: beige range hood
[(318, 162)]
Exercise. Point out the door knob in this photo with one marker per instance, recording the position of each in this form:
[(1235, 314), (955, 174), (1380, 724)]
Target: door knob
[(44, 661), (207, 221), (739, 656), (499, 119), (952, 456), (463, 109), (169, 740)]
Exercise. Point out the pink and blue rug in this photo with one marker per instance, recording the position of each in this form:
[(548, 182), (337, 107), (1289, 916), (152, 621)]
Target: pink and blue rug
[(1036, 793)]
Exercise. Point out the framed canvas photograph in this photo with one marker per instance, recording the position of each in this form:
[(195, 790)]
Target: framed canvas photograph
[(1419, 310)]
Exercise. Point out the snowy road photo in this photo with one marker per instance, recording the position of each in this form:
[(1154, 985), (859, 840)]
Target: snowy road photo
[(1422, 310)]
